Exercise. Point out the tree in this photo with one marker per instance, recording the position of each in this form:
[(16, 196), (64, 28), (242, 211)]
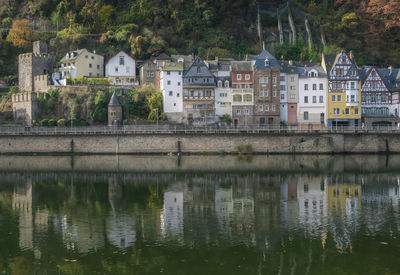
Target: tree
[(21, 34), (154, 103)]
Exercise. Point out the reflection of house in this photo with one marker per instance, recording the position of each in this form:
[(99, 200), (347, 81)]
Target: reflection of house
[(243, 208), (22, 204), (173, 211), (121, 70), (224, 209), (312, 199)]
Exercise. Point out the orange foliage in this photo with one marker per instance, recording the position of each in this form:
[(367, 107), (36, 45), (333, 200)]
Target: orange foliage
[(21, 33)]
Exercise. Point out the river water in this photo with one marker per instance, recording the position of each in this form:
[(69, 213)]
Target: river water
[(200, 215)]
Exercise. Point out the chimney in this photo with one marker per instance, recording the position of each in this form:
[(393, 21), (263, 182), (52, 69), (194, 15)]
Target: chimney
[(351, 56)]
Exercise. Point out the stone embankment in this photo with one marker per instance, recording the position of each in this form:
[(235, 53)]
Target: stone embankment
[(200, 143)]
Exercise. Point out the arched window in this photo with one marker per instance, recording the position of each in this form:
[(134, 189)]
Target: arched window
[(226, 84), (237, 98), (219, 83)]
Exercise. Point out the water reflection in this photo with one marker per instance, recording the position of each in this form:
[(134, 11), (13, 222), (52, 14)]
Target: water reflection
[(59, 215)]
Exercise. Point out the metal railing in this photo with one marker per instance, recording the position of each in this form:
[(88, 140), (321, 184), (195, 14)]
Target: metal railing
[(181, 129)]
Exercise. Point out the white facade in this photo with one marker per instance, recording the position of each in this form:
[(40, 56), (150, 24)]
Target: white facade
[(121, 69), (171, 86), (172, 217), (223, 103), (284, 97), (312, 104)]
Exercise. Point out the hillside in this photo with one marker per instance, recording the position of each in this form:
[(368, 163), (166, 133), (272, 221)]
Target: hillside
[(207, 28)]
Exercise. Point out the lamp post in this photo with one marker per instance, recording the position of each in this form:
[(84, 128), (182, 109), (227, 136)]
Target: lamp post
[(157, 117)]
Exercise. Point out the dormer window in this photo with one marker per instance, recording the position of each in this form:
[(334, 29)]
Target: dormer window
[(266, 62), (198, 69), (122, 60), (226, 84), (219, 83)]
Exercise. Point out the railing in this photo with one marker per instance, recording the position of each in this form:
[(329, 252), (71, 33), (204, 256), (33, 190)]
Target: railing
[(212, 128)]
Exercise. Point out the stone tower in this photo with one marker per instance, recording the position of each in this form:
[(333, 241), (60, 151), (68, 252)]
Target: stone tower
[(114, 111), (33, 68)]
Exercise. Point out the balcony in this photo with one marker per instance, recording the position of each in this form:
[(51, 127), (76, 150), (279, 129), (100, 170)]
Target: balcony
[(242, 91), (352, 103)]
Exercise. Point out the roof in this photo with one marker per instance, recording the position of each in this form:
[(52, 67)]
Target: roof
[(114, 100), (265, 60), (329, 61), (391, 77), (186, 58), (303, 71), (290, 67), (241, 66), (163, 56), (119, 54), (75, 53), (173, 66), (192, 71)]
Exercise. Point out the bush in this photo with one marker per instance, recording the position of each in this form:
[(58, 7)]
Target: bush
[(83, 123), (52, 122), (244, 149), (62, 122), (44, 122), (125, 122)]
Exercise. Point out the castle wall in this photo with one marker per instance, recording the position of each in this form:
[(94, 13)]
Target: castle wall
[(25, 107), (25, 77)]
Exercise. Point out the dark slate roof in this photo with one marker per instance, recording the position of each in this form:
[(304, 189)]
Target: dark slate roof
[(391, 77), (241, 66), (114, 100), (303, 71), (163, 56), (288, 68), (223, 79), (192, 71), (329, 61), (264, 56)]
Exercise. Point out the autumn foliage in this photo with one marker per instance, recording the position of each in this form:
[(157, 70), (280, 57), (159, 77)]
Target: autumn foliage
[(21, 34)]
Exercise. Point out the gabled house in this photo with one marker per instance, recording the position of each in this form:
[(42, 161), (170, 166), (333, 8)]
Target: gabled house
[(266, 90), (121, 70), (344, 90), (171, 85), (77, 64), (148, 73), (198, 94)]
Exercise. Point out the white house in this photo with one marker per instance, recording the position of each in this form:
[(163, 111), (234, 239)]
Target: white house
[(121, 70), (312, 104), (171, 86), (284, 96), (223, 103)]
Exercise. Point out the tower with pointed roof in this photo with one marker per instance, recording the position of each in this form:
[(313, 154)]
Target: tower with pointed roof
[(198, 94), (115, 114)]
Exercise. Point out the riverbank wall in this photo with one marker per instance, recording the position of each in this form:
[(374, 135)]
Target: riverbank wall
[(200, 143)]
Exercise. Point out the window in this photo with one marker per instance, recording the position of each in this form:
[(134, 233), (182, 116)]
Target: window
[(198, 69), (98, 67), (292, 78), (90, 74), (339, 98), (274, 79), (274, 93), (237, 98), (314, 87), (238, 112), (226, 84), (306, 99), (333, 98), (356, 111), (122, 60), (264, 79), (282, 96), (168, 72), (177, 94), (264, 93), (179, 84), (247, 111), (92, 57), (292, 87), (116, 69), (305, 115), (98, 75), (353, 98), (171, 93), (174, 104), (86, 56), (246, 98), (336, 111), (273, 107), (306, 87), (247, 77), (239, 77), (219, 83), (90, 65), (352, 85), (282, 87), (267, 107), (314, 99), (321, 99), (169, 82), (282, 78), (321, 86), (347, 111), (260, 108)]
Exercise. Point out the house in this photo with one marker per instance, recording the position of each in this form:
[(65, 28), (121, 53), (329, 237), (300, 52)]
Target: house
[(77, 64), (171, 85), (283, 96), (344, 90), (223, 104), (312, 104), (266, 90), (121, 70), (242, 93), (220, 67), (292, 85), (198, 94), (148, 73), (379, 96)]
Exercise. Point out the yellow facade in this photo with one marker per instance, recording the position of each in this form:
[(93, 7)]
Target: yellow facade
[(340, 194), (342, 105), (82, 63)]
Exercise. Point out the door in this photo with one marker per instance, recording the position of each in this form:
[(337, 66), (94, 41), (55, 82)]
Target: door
[(270, 121), (262, 121), (235, 123)]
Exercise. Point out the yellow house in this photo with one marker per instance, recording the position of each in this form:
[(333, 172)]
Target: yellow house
[(81, 63), (344, 90), (344, 197)]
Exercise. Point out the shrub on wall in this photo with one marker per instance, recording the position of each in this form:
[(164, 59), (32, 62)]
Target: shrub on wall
[(62, 122), (44, 122), (52, 122)]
